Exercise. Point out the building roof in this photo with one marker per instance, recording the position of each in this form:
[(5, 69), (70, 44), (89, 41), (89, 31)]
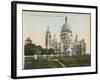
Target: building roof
[(65, 27), (28, 39)]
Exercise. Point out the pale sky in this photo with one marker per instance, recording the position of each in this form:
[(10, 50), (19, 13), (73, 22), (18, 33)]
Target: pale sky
[(35, 25)]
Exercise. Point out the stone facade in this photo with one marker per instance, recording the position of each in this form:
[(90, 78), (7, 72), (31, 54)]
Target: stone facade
[(66, 46)]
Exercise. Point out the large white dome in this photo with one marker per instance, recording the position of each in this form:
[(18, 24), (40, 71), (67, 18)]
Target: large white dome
[(65, 27)]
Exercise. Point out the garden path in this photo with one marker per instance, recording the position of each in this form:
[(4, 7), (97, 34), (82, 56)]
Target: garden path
[(59, 62)]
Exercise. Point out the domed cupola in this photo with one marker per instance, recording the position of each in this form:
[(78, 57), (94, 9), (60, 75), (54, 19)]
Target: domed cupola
[(65, 27)]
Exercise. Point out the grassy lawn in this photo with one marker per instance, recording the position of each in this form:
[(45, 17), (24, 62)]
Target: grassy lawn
[(40, 63), (76, 61), (68, 61)]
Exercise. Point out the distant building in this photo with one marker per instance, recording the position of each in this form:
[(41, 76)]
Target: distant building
[(79, 47), (28, 41), (66, 46)]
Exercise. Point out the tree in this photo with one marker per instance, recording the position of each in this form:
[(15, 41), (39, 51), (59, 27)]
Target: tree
[(38, 49), (44, 51), (47, 51), (29, 49), (50, 51)]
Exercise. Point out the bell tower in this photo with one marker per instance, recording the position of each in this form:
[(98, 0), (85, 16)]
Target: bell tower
[(48, 38)]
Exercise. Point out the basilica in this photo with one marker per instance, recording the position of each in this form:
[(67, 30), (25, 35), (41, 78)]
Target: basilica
[(67, 46)]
